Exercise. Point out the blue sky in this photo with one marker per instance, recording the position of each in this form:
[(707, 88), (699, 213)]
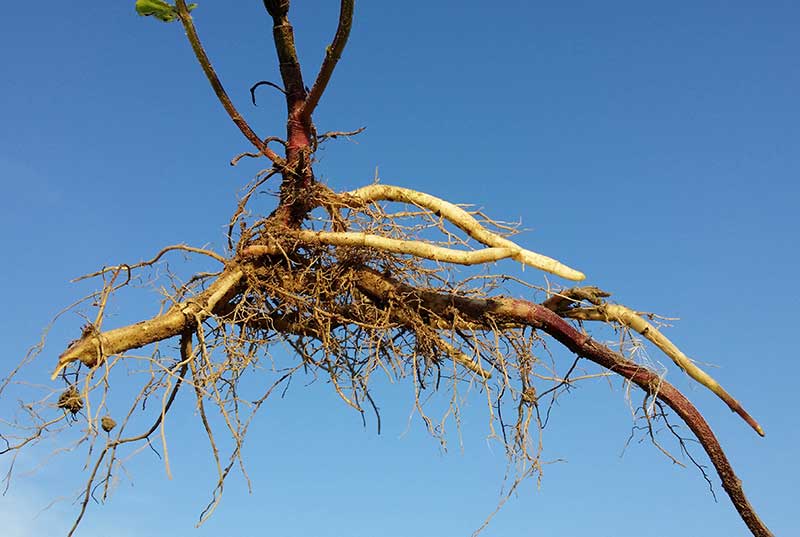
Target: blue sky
[(655, 147)]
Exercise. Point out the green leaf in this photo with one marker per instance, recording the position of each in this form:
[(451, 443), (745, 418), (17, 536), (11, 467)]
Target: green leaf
[(158, 9)]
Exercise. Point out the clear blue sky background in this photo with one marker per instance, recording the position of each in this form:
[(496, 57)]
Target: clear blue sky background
[(656, 147)]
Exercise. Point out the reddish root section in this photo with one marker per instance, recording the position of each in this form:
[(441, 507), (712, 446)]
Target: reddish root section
[(542, 318), (651, 383)]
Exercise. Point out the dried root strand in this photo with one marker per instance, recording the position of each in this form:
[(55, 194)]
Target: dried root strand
[(464, 360), (153, 260)]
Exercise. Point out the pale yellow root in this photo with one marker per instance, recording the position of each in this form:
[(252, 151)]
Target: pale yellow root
[(415, 248), (467, 223), (92, 348), (627, 317)]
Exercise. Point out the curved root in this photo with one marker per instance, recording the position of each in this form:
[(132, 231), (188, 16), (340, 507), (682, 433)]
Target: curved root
[(467, 223)]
